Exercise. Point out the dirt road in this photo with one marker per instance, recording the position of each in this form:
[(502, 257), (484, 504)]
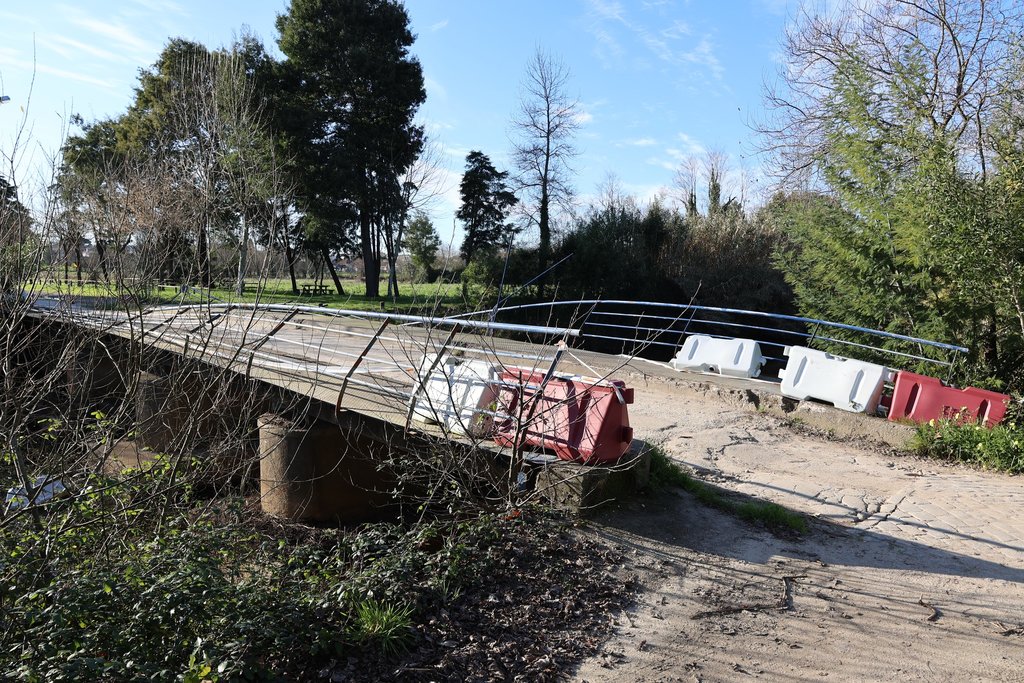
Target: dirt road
[(912, 570)]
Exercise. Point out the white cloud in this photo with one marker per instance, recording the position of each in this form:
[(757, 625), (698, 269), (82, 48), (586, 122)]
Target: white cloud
[(607, 9), (14, 17), (437, 26), (434, 88), (666, 164), (115, 31), (72, 49), (693, 147), (646, 193), (677, 30), (665, 40), (75, 76), (162, 6), (607, 47), (434, 128), (673, 156), (10, 58), (704, 55), (639, 142)]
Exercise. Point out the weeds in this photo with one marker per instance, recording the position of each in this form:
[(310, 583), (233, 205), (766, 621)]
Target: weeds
[(997, 448), (385, 627), (666, 474), (217, 595)]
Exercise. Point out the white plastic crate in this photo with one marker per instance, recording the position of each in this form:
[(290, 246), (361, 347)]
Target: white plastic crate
[(456, 393), (732, 357), (847, 384)]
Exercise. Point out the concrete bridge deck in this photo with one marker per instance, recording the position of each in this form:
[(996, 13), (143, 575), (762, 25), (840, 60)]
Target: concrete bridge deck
[(319, 352)]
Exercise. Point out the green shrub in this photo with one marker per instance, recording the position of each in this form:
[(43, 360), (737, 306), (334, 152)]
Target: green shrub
[(771, 515), (664, 472)]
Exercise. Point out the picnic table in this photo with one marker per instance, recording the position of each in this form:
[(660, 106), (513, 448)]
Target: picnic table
[(315, 290)]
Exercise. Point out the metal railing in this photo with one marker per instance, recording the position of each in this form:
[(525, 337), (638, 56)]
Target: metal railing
[(322, 348), (642, 325)]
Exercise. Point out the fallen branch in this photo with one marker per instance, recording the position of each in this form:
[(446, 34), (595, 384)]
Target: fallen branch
[(784, 603), (935, 610)]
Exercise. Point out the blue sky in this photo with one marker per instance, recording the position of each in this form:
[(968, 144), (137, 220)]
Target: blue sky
[(658, 81)]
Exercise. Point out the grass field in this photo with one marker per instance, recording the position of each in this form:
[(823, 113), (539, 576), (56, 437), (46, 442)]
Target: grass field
[(419, 297)]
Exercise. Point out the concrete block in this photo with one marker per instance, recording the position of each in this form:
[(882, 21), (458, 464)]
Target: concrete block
[(579, 489)]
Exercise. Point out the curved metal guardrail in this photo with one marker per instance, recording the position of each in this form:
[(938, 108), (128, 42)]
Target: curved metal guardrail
[(606, 319)]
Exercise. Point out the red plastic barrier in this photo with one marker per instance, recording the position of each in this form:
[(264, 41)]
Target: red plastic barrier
[(922, 398), (579, 419)]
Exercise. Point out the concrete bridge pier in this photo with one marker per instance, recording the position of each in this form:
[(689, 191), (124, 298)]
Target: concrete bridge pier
[(94, 375), (161, 414), (190, 411), (316, 471)]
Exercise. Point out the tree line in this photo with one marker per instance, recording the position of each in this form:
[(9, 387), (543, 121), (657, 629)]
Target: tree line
[(897, 131), (316, 152)]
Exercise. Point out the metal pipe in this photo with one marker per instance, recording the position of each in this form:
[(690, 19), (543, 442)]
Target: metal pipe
[(738, 311), (372, 315), (723, 323)]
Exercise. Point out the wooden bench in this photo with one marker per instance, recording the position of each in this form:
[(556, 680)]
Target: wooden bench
[(315, 290)]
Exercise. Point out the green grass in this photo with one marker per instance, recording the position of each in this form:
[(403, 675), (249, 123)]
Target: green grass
[(667, 474), (420, 297)]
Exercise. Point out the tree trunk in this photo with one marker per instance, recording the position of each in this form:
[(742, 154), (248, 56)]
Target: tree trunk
[(101, 252), (203, 249), (243, 258), (334, 274), (371, 263), (289, 256), (545, 237), (392, 280), (78, 261)]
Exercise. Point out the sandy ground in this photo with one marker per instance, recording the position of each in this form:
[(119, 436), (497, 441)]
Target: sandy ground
[(912, 570)]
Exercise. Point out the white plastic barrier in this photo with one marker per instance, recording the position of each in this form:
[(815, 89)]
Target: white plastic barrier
[(456, 393), (847, 384), (733, 357)]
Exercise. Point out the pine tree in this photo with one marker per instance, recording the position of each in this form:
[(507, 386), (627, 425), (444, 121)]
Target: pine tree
[(486, 201)]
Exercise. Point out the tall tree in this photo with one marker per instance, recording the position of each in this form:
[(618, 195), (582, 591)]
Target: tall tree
[(486, 200), (190, 156), (545, 124), (423, 243), (894, 108), (359, 89), (15, 233), (963, 52)]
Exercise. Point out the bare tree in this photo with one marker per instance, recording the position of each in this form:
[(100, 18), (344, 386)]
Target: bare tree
[(226, 146), (544, 127), (422, 184), (961, 50)]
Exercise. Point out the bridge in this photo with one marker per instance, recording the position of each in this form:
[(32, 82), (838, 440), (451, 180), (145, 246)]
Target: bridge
[(375, 370)]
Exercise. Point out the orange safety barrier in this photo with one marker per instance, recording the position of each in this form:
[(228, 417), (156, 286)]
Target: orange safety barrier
[(922, 398), (580, 419)]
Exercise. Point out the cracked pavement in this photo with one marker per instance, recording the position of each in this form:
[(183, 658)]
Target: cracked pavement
[(849, 483)]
